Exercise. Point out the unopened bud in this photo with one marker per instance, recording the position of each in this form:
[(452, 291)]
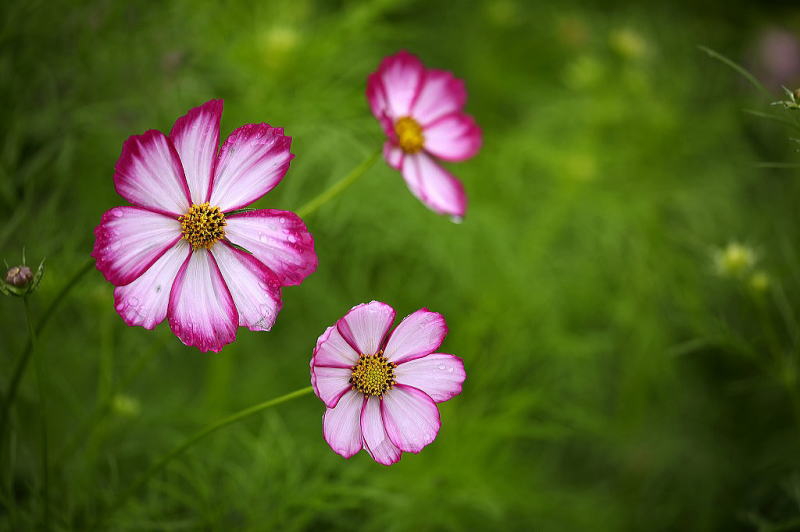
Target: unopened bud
[(19, 276)]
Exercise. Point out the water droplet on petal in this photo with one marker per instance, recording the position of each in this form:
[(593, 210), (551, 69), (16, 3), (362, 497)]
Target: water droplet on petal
[(456, 219)]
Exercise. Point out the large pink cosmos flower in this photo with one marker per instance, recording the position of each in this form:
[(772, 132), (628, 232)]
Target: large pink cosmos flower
[(178, 252), (380, 392), (420, 111)]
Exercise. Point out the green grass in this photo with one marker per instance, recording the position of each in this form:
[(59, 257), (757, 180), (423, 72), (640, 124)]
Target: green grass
[(615, 381)]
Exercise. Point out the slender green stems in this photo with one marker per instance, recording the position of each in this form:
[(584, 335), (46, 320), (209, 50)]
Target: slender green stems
[(180, 449), (337, 188), (22, 362), (42, 414), (738, 68)]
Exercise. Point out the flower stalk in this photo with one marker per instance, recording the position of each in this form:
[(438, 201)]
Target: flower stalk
[(338, 187), (189, 442)]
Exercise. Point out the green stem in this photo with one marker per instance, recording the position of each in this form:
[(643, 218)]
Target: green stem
[(42, 414), (180, 449), (740, 69), (337, 188), (22, 363)]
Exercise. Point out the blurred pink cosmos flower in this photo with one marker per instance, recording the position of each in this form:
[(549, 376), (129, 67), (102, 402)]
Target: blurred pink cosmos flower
[(178, 252), (420, 111), (381, 389)]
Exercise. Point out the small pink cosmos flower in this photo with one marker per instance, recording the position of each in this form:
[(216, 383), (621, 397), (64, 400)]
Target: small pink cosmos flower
[(178, 252), (381, 389), (420, 111)]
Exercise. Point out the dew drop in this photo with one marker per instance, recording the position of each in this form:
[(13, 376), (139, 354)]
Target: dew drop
[(263, 237), (456, 219)]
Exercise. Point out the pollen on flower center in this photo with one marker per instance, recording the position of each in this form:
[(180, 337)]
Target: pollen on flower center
[(203, 225), (373, 374), (409, 134)]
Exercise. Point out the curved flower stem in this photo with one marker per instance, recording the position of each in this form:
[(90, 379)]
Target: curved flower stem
[(337, 188), (42, 414), (180, 449), (22, 363)]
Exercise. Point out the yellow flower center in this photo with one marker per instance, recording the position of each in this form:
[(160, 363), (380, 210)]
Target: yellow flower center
[(409, 134), (373, 374), (202, 226)]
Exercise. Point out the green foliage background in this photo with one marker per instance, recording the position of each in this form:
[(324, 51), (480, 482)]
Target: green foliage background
[(615, 381)]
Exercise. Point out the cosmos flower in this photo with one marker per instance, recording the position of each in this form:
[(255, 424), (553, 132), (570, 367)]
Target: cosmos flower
[(186, 249), (420, 111), (381, 389)]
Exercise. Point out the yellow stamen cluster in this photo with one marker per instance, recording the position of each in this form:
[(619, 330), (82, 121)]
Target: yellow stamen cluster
[(202, 226), (373, 374), (409, 134)]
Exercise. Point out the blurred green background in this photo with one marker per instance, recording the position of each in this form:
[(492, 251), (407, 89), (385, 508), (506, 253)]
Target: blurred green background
[(624, 290)]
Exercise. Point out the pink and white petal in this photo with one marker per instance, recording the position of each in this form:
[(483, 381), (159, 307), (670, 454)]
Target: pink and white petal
[(129, 240), (419, 334), (393, 155), (440, 93), (433, 185), (196, 139), (341, 426), (366, 325), (401, 75), (201, 310), (255, 290), (144, 301), (330, 384), (453, 137), (279, 239), (252, 162), (411, 418), (376, 95), (376, 441), (333, 351), (439, 375), (149, 174)]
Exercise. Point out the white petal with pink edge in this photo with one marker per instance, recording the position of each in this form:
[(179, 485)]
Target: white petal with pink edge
[(393, 155), (252, 162), (400, 75), (201, 310), (376, 441), (366, 325), (341, 426), (144, 301), (376, 95), (149, 174), (419, 334), (196, 139), (410, 417), (255, 290), (129, 240), (439, 375), (330, 383), (453, 137), (440, 93), (332, 350), (279, 239), (434, 185)]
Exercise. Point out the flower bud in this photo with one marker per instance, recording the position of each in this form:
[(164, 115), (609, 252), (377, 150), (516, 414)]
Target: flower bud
[(734, 260), (21, 280), (19, 276)]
